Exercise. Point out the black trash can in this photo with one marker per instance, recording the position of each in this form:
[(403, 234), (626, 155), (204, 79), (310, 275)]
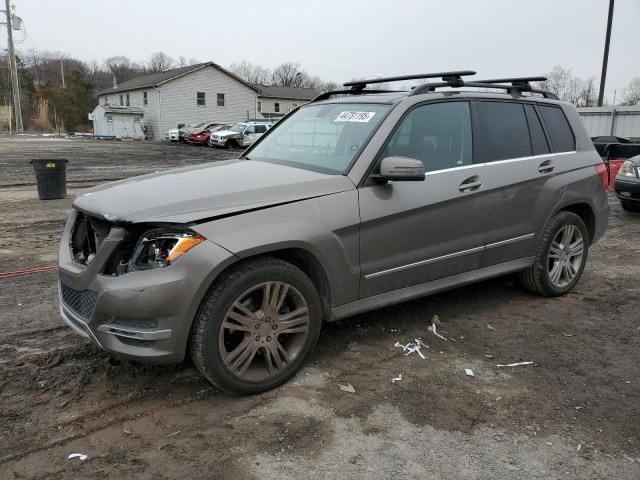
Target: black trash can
[(51, 176)]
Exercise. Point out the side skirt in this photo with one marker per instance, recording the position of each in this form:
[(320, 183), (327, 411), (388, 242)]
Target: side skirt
[(423, 289)]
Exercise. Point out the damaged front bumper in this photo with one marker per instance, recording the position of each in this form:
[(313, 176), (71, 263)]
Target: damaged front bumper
[(142, 315)]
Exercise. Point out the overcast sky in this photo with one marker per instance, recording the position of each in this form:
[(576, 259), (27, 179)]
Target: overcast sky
[(342, 39)]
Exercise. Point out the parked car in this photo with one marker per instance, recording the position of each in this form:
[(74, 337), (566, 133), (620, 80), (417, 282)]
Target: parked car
[(184, 132), (171, 135), (627, 184), (201, 136), (241, 135), (353, 202)]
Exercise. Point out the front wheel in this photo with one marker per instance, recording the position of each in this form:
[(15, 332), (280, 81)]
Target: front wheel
[(561, 257), (256, 327)]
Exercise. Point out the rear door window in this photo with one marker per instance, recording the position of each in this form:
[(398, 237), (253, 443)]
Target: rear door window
[(538, 138), (562, 138), (505, 133)]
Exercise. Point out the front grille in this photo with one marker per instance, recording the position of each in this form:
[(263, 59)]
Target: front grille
[(82, 302), (87, 236)]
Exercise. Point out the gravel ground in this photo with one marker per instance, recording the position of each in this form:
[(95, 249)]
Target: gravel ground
[(573, 414)]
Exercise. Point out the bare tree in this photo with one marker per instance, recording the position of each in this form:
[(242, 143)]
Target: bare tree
[(159, 62), (251, 72), (121, 68), (632, 93), (182, 61), (289, 74), (587, 96)]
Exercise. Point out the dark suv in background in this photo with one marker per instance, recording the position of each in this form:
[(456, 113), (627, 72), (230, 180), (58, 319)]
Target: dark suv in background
[(357, 200)]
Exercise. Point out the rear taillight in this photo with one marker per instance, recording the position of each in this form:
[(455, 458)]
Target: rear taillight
[(601, 170)]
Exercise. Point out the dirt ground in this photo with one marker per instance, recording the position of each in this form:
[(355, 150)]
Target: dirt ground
[(573, 414)]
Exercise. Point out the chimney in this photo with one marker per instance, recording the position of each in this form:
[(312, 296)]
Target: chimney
[(115, 82)]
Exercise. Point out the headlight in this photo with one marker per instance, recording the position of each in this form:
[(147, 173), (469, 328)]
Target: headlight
[(627, 169), (160, 248)]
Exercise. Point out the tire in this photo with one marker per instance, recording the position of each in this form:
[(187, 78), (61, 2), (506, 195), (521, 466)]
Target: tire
[(540, 278), (628, 206), (260, 364)]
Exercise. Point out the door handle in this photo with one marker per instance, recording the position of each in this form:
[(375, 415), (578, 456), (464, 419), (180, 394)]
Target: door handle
[(546, 167), (470, 184)]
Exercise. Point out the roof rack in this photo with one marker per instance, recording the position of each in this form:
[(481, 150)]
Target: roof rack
[(359, 87), (361, 84), (516, 85)]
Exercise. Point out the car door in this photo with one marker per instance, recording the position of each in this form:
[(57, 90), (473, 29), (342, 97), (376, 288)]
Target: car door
[(521, 171), (416, 232)]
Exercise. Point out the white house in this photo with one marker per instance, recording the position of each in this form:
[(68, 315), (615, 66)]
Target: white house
[(117, 122), (276, 102), (197, 93), (201, 93)]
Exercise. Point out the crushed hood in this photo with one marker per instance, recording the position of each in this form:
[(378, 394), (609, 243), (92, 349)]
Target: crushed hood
[(206, 191)]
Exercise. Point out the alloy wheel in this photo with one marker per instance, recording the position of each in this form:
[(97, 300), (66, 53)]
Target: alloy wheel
[(263, 331), (565, 256)]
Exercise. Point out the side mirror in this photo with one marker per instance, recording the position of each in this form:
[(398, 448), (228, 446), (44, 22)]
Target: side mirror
[(400, 169)]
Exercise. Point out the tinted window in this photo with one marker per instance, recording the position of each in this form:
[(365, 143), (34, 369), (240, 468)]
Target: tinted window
[(439, 134), (538, 139), (504, 131), (562, 139), (261, 128)]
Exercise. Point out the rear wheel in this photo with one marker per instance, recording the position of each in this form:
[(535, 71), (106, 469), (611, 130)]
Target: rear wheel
[(561, 257), (256, 327)]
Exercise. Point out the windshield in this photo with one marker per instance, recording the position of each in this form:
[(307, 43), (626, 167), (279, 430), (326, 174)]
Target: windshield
[(324, 138), (238, 127)]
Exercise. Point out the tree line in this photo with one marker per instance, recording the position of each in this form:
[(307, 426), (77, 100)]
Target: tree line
[(58, 91)]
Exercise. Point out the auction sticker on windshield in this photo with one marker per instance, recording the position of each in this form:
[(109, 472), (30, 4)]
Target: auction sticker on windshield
[(354, 116)]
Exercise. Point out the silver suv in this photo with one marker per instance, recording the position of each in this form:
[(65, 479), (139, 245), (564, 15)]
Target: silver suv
[(358, 200)]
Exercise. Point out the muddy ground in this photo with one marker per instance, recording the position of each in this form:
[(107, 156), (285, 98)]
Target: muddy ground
[(573, 414)]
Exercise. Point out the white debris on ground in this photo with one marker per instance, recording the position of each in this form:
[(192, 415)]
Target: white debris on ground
[(469, 372), (411, 347), (397, 379), (517, 364), (80, 456), (347, 388), (435, 321)]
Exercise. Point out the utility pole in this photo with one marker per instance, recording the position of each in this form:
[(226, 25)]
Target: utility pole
[(605, 59), (15, 84), (62, 71)]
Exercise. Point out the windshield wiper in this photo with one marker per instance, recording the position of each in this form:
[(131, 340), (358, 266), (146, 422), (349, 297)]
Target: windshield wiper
[(243, 157)]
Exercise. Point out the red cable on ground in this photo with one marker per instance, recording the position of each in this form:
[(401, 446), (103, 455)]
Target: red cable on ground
[(50, 268)]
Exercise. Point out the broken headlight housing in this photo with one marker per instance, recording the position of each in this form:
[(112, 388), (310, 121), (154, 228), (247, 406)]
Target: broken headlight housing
[(160, 248)]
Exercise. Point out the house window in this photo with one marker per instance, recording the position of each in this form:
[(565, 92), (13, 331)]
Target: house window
[(259, 106), (128, 102), (145, 101), (220, 99), (293, 107), (276, 107), (200, 98), (106, 100), (121, 101)]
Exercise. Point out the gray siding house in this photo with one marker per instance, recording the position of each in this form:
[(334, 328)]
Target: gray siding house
[(276, 102), (197, 93)]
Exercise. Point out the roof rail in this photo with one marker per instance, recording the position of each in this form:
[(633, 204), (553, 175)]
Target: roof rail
[(516, 87), (327, 95), (361, 84)]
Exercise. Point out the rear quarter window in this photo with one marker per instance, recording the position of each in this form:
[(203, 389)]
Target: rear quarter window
[(558, 128)]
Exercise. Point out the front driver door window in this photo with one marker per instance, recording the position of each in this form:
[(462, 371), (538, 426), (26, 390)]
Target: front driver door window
[(416, 232)]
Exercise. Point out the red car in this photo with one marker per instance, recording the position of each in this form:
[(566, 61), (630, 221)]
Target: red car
[(201, 136)]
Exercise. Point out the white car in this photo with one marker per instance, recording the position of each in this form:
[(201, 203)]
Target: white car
[(171, 135), (240, 135)]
